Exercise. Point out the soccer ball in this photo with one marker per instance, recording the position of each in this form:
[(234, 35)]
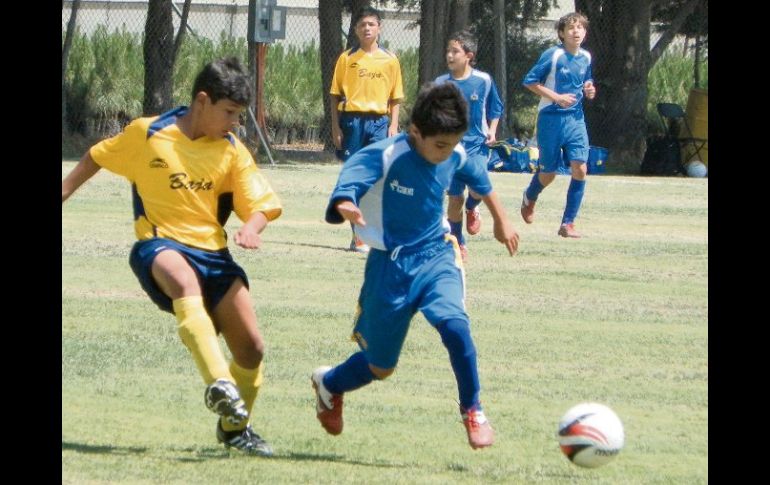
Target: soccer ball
[(696, 168), (590, 434)]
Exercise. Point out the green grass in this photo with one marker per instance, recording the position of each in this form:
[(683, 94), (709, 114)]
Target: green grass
[(618, 317)]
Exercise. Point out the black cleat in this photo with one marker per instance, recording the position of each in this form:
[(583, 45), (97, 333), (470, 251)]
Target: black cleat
[(223, 398), (245, 440)]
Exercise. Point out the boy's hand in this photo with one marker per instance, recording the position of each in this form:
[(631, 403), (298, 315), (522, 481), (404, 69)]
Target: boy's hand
[(350, 212), (589, 89), (506, 234), (248, 238), (490, 138), (565, 100), (337, 137)]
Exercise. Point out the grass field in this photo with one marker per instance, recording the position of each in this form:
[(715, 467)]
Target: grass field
[(619, 317)]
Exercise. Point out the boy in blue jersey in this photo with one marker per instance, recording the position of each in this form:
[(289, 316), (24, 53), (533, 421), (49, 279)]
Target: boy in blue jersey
[(484, 110), (561, 77), (414, 264), (188, 172), (366, 93)]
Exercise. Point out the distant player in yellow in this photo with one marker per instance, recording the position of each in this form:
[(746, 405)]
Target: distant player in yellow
[(365, 94), (188, 172)]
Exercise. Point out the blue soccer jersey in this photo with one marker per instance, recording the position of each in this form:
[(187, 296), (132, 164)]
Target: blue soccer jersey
[(400, 194), (563, 73), (484, 104)]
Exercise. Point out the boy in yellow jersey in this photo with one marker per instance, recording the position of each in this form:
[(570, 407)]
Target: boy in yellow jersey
[(188, 172), (365, 94)]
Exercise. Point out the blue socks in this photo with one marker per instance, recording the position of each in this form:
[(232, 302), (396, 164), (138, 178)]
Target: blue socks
[(457, 231), (574, 198), (456, 335), (350, 375), (535, 187), (471, 202)]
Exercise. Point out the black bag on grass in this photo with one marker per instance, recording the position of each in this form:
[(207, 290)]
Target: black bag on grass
[(662, 157)]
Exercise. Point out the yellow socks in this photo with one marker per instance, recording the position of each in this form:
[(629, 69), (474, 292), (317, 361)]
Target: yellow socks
[(248, 382), (197, 332)]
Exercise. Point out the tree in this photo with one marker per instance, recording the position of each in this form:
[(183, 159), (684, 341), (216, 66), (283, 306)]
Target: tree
[(619, 40), (160, 50), (65, 52), (330, 21)]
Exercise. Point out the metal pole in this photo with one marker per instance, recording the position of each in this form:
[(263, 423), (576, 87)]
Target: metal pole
[(261, 137)]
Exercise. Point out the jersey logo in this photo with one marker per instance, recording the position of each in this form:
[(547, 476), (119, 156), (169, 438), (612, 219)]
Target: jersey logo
[(370, 75), (565, 70), (354, 65), (394, 186), (158, 163), (474, 97), (179, 181)]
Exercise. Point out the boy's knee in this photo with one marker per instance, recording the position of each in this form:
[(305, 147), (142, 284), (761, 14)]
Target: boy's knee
[(381, 373)]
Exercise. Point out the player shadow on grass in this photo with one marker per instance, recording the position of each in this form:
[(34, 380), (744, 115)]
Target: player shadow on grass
[(308, 245), (215, 453), (102, 449), (326, 457)]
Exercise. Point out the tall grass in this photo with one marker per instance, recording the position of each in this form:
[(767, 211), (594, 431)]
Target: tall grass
[(670, 81), (105, 79)]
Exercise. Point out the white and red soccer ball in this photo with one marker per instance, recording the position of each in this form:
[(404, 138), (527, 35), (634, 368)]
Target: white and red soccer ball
[(590, 434)]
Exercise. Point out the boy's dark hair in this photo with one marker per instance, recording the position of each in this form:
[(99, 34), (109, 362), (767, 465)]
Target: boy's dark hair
[(367, 12), (570, 18), (467, 41), (440, 108), (224, 79)]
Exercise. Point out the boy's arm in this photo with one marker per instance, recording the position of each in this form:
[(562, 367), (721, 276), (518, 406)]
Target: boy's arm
[(84, 170), (336, 131), (358, 174), (492, 133), (248, 236), (395, 108), (503, 229), (563, 100)]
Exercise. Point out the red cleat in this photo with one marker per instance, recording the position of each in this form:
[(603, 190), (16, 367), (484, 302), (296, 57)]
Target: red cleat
[(328, 405)]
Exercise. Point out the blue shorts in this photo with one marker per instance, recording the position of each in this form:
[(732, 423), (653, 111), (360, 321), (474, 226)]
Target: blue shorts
[(476, 155), (430, 278), (557, 131), (360, 130), (216, 270)]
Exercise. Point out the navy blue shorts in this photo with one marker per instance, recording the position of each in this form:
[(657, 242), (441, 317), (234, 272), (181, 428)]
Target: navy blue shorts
[(557, 131), (430, 279), (216, 270), (360, 130)]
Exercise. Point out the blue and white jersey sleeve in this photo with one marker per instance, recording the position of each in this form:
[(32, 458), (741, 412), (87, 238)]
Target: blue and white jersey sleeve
[(359, 173), (400, 194), (494, 102)]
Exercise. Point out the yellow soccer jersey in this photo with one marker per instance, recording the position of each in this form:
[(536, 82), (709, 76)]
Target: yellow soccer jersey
[(185, 189), (366, 82)]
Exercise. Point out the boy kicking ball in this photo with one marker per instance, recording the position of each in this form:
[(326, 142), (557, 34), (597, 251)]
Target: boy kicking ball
[(414, 264)]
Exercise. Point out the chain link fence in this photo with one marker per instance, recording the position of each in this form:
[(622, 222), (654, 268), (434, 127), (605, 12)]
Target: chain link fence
[(104, 79)]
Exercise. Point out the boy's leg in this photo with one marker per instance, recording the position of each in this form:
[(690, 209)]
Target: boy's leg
[(380, 328), (472, 214), (176, 278), (574, 199), (454, 214), (236, 319), (442, 286)]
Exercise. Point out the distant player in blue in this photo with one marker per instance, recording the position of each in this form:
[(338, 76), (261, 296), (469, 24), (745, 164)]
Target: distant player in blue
[(393, 192), (484, 110), (561, 77)]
